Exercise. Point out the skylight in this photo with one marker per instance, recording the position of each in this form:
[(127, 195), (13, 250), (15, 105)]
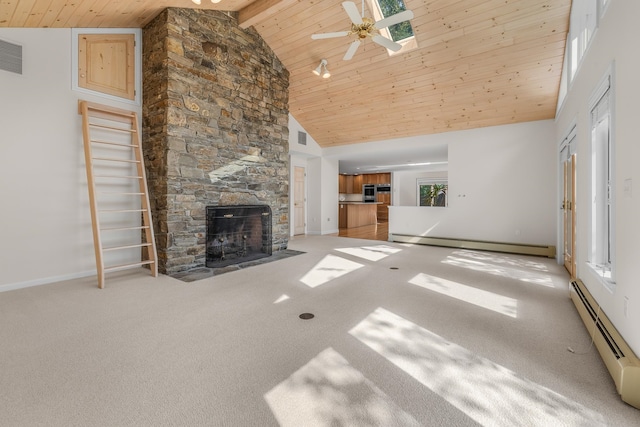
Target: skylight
[(399, 31)]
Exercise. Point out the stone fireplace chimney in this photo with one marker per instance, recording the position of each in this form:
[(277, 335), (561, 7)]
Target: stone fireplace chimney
[(215, 116)]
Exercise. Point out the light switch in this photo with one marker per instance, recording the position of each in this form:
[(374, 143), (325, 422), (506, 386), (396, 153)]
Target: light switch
[(627, 187)]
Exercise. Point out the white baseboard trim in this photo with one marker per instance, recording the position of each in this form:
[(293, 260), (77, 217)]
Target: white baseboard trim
[(45, 281), (330, 232), (322, 233), (514, 248)]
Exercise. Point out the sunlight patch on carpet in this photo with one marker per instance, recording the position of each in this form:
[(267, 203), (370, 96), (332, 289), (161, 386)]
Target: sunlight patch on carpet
[(517, 273), (495, 258), (481, 298), (371, 253), (281, 298), (328, 391), (329, 268), (487, 392)]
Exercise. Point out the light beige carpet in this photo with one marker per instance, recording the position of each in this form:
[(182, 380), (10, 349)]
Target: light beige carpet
[(402, 336)]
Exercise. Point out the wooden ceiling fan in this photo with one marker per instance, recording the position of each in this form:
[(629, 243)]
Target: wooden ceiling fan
[(363, 28)]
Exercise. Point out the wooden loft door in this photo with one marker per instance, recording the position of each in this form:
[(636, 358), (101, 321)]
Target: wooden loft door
[(106, 64)]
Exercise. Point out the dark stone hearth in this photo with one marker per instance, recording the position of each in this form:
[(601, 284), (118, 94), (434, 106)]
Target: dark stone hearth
[(204, 272), (215, 116)]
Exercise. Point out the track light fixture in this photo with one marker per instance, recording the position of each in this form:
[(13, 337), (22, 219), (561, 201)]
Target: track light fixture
[(319, 70), (212, 1)]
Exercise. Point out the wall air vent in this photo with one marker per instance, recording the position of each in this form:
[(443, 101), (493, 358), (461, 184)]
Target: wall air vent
[(10, 57), (302, 138)]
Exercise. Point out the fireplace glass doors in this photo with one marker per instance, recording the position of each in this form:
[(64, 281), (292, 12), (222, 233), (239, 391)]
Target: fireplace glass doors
[(237, 234)]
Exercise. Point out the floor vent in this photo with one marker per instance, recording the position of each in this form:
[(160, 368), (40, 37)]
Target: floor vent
[(617, 356), (10, 57)]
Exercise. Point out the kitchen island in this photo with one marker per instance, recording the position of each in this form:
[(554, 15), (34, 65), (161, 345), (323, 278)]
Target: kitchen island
[(357, 214)]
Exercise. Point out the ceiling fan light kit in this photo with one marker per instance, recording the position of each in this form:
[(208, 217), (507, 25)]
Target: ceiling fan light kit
[(363, 28)]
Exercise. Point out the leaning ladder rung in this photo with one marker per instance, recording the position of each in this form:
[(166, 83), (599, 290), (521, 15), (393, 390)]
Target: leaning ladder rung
[(95, 125), (117, 144), (111, 159), (117, 248), (121, 210), (118, 176), (125, 266), (103, 109), (112, 193), (142, 227)]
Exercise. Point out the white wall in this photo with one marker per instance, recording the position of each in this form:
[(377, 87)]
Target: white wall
[(45, 221), (329, 195), (323, 196), (314, 202), (321, 185), (300, 155), (502, 187), (614, 41)]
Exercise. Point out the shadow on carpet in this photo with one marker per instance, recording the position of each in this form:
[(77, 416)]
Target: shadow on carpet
[(205, 272)]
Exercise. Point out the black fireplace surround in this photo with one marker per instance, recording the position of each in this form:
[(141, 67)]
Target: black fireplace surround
[(237, 234)]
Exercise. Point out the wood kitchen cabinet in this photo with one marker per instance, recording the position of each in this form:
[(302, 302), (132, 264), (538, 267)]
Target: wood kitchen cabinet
[(352, 184), (353, 215), (383, 208), (357, 184), (349, 184), (342, 215)]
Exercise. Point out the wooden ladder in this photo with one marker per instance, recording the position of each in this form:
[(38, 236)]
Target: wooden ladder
[(110, 136)]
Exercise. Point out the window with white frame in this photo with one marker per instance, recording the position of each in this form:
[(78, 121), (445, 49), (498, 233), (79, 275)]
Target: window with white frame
[(432, 192), (602, 256), (584, 20), (583, 23)]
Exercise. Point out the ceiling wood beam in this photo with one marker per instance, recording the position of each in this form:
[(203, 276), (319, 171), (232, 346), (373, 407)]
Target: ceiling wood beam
[(260, 10)]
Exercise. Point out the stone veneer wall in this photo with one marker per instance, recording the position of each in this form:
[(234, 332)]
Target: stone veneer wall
[(215, 116)]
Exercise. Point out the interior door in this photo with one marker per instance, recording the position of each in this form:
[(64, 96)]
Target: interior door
[(298, 200), (569, 214)]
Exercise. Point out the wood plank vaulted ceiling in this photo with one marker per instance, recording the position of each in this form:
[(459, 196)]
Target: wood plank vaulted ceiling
[(478, 62)]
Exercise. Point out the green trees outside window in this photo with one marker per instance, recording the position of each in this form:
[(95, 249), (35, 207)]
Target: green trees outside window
[(432, 194)]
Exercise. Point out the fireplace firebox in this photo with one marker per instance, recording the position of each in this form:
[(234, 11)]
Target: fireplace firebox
[(237, 234)]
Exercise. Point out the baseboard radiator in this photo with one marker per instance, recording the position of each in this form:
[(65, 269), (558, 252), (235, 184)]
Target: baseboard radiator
[(513, 248), (622, 363)]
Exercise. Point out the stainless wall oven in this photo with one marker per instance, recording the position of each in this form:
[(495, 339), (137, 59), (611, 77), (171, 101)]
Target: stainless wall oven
[(369, 193), (383, 188)]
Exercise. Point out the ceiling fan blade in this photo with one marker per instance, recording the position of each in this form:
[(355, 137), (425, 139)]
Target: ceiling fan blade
[(351, 51), (352, 10), (389, 44), (394, 19), (329, 35)]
